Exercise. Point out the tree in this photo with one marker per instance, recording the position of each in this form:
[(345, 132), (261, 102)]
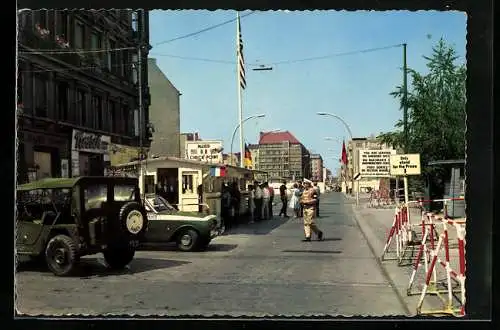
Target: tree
[(436, 111)]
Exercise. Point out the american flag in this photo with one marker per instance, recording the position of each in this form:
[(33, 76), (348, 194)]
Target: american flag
[(241, 58)]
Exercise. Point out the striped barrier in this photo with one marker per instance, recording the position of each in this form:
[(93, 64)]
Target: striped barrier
[(450, 305)]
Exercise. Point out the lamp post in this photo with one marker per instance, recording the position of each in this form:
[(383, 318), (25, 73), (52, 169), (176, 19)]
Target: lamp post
[(236, 129), (350, 135)]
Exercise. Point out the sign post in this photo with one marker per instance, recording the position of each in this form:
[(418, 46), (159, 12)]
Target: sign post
[(404, 165)]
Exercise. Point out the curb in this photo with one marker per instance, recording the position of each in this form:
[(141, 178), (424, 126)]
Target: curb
[(376, 245)]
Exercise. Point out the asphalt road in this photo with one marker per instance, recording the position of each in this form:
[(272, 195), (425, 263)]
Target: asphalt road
[(257, 270)]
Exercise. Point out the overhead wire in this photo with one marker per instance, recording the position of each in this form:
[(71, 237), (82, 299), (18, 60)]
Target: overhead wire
[(192, 34), (283, 61)]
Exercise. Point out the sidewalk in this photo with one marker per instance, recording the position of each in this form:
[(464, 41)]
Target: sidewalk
[(375, 224)]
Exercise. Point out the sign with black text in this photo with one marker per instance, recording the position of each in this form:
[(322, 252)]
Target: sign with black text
[(402, 165), (375, 163)]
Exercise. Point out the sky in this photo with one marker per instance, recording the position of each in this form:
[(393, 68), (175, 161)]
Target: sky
[(354, 86)]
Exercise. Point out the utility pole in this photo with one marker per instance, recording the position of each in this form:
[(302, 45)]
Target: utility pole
[(405, 116), (140, 42)]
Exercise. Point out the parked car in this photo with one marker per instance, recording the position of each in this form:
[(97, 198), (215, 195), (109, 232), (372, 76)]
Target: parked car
[(191, 231), (60, 220)]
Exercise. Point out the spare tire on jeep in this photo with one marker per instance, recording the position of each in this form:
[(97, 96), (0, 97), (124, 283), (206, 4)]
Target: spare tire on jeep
[(134, 219)]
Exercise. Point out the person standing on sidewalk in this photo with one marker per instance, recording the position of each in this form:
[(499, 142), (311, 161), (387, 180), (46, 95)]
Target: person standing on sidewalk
[(258, 201), (284, 200), (318, 194), (271, 199), (265, 201), (308, 200), (301, 189)]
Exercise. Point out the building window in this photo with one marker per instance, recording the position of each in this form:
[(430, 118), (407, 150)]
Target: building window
[(125, 64), (96, 44), (97, 106), (81, 106), (126, 120), (41, 91), (63, 100), (112, 59), (135, 21), (79, 40), (62, 24), (42, 18), (113, 115)]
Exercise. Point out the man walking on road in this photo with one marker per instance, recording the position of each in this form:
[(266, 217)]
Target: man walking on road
[(284, 200), (271, 199), (308, 200), (265, 201), (258, 201)]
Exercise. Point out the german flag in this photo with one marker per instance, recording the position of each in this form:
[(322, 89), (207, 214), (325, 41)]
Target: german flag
[(248, 157)]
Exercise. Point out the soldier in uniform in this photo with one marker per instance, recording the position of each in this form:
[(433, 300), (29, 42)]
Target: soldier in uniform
[(308, 200)]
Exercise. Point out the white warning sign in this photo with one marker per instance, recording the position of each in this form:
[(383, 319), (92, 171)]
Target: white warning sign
[(408, 164), (375, 163)]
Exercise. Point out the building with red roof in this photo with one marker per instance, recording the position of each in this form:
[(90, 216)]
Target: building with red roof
[(283, 156)]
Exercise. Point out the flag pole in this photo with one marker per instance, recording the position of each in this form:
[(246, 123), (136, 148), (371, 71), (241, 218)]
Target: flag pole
[(240, 106)]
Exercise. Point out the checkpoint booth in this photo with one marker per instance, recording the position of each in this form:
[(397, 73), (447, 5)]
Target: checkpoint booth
[(189, 185)]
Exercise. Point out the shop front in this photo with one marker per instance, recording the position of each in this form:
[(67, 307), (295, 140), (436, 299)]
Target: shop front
[(41, 155), (89, 154)]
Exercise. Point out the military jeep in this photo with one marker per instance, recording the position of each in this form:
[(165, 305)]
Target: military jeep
[(60, 220)]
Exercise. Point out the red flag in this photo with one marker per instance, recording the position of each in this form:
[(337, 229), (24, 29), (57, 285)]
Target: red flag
[(344, 154)]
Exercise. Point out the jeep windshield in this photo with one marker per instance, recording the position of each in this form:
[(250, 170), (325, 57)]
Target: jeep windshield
[(158, 204)]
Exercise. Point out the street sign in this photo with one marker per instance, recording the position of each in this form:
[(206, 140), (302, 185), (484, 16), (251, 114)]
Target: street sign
[(357, 176), (375, 163), (403, 165)]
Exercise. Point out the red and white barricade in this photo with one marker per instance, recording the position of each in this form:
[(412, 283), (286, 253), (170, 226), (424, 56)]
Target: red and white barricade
[(451, 304), (427, 244), (401, 233)]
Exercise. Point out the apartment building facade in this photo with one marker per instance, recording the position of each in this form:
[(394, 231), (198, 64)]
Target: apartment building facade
[(316, 167), (282, 155), (77, 90)]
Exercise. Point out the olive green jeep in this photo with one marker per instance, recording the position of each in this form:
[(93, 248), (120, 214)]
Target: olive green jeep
[(60, 220)]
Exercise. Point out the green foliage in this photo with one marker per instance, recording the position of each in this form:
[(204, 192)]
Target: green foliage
[(436, 110)]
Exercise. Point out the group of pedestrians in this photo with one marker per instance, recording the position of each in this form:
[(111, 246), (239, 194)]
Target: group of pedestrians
[(261, 201), (304, 201)]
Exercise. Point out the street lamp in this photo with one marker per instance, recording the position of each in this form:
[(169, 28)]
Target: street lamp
[(236, 129), (350, 135)]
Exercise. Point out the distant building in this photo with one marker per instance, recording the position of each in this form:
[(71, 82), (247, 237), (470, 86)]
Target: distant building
[(164, 113), (231, 159), (283, 156), (316, 167), (183, 138)]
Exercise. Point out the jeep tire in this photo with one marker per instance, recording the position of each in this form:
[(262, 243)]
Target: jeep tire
[(133, 219), (61, 255), (118, 258)]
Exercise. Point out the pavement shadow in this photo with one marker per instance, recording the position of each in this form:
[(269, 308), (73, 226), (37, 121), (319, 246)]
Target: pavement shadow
[(95, 267), (262, 227), (171, 247), (314, 251)]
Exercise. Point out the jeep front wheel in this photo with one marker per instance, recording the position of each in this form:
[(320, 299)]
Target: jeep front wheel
[(118, 258), (61, 255)]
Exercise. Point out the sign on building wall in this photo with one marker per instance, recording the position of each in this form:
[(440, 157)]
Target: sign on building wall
[(87, 143), (375, 163), (408, 164), (204, 151)]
